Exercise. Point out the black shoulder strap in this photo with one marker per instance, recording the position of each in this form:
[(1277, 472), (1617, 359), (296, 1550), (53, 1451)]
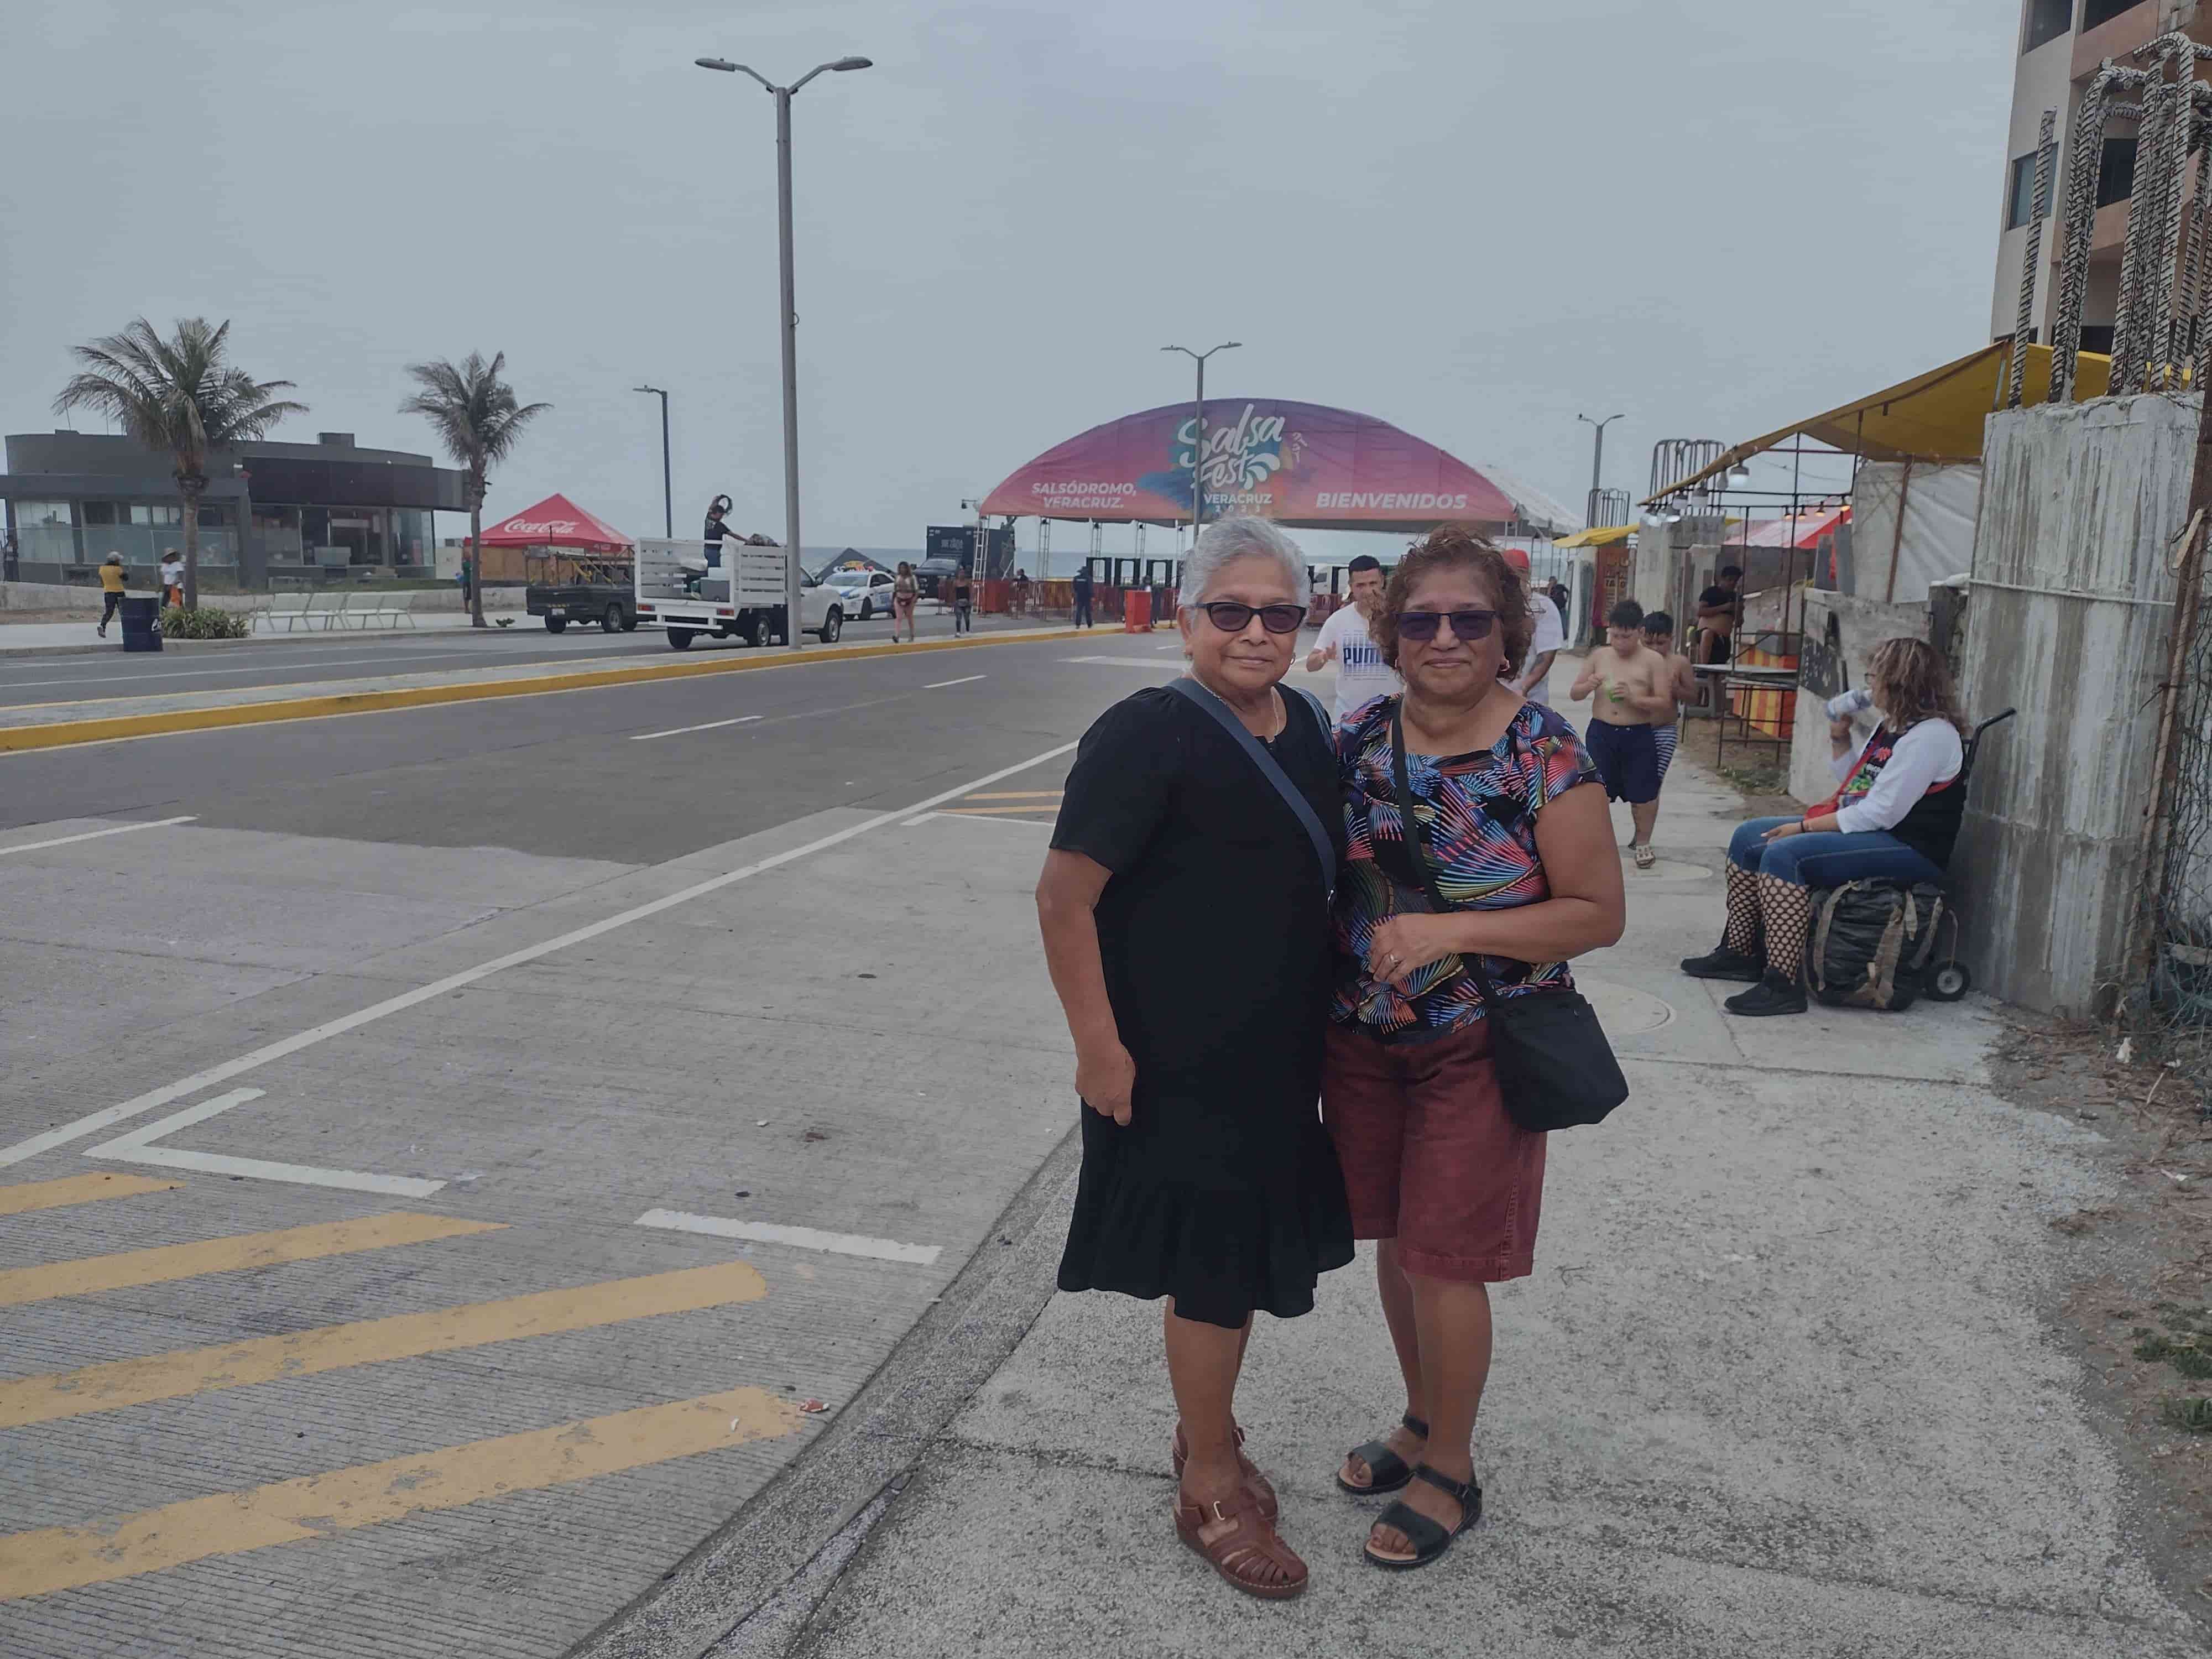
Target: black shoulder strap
[(1416, 847), (1293, 797)]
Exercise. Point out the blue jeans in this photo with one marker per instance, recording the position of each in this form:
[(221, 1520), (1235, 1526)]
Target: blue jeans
[(1828, 859)]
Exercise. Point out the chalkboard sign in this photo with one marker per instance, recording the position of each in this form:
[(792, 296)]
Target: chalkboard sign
[(1821, 666)]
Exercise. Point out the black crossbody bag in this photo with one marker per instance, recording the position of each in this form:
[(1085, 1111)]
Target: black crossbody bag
[(1555, 1068), (1293, 797)]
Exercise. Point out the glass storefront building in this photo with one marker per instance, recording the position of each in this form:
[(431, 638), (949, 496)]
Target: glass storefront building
[(272, 511)]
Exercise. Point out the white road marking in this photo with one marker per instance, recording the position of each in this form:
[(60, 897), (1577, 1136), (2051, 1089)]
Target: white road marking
[(805, 1238), (255, 668), (137, 1147), (928, 817), (677, 731), (965, 679), (153, 1099), (95, 835)]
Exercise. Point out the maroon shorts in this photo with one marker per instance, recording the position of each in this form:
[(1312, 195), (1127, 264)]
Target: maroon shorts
[(1430, 1157)]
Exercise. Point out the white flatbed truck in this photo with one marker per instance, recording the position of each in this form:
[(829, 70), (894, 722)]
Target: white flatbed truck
[(742, 593)]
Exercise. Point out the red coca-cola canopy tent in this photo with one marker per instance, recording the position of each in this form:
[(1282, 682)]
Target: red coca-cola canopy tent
[(556, 521), (1304, 465)]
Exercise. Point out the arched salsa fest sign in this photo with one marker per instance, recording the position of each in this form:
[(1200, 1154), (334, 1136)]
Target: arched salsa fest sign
[(1304, 465)]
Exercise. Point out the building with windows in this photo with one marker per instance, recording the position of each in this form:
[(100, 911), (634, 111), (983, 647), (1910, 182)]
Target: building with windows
[(2062, 42), (324, 511)]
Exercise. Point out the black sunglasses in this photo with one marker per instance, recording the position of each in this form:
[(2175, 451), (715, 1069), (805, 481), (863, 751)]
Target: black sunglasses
[(1231, 617), (1468, 625)]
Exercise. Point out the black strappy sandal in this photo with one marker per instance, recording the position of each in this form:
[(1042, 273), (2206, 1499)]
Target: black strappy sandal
[(1387, 1471), (1430, 1540)]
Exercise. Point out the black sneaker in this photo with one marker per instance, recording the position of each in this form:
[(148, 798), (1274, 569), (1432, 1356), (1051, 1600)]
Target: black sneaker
[(1773, 994), (1725, 963)]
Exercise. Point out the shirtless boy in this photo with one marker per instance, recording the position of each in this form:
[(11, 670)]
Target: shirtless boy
[(1634, 691)]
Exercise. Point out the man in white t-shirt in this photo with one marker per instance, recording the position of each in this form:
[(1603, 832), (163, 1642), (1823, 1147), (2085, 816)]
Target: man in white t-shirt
[(1551, 634), (1362, 676)]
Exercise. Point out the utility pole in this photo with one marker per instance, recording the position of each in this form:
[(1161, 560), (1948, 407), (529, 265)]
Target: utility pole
[(667, 485)]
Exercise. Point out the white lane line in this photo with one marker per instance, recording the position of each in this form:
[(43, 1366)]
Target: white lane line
[(805, 1238), (965, 679), (932, 818), (95, 835), (137, 1147), (153, 1099), (256, 668), (679, 730)]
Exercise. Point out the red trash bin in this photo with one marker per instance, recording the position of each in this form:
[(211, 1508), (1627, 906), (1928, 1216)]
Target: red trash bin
[(1137, 611)]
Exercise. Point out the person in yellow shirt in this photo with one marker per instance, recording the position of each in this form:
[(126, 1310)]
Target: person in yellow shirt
[(110, 588)]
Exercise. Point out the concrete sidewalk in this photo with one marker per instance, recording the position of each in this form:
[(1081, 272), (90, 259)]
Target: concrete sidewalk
[(1779, 1386)]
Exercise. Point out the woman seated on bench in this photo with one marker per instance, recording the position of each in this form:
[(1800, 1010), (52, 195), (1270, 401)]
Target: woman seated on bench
[(1894, 820)]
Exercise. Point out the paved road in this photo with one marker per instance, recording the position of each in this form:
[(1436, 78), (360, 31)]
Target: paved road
[(108, 672), (435, 1173)]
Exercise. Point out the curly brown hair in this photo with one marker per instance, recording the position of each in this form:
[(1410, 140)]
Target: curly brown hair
[(1455, 546), (1911, 683)]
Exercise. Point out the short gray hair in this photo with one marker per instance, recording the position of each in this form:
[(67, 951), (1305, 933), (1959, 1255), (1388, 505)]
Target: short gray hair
[(1225, 541)]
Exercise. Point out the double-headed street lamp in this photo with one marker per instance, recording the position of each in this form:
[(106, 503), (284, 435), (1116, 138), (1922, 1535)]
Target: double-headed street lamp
[(667, 485), (783, 96), (1198, 449), (1597, 464)]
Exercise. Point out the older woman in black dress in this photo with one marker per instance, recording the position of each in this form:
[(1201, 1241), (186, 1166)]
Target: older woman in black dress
[(1185, 911)]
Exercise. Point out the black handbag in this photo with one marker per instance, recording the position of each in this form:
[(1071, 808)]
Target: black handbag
[(1555, 1068)]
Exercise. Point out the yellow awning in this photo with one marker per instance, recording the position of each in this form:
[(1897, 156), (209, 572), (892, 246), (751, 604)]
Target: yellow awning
[(1935, 416), (1603, 536)]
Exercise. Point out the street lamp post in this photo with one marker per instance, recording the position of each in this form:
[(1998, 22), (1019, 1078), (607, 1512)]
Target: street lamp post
[(1597, 464), (783, 96), (667, 483), (1198, 448)]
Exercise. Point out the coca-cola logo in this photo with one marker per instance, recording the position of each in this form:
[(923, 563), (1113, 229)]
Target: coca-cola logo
[(539, 527)]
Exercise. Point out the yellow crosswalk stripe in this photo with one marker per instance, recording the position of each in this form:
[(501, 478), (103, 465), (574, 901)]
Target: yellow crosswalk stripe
[(123, 1382), (158, 1266), (317, 1505), (28, 1195)]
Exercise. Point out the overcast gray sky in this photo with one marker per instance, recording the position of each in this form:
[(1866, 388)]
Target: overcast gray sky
[(1471, 219)]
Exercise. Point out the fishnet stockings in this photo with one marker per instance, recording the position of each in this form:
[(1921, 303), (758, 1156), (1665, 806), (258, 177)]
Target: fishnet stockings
[(1744, 930), (1788, 910)]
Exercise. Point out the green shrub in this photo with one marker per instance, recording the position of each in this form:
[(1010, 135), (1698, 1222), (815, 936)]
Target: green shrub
[(2192, 1362), (205, 623), (2156, 1348), (2193, 1413)]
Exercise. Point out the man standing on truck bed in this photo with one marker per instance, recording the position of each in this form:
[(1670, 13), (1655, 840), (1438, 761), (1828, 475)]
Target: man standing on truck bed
[(715, 530)]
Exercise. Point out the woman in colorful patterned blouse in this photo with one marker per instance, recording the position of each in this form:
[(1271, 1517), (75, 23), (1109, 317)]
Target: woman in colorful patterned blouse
[(1435, 1168), (1894, 820)]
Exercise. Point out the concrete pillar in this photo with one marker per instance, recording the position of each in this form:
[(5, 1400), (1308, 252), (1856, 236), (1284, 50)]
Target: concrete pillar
[(2070, 611)]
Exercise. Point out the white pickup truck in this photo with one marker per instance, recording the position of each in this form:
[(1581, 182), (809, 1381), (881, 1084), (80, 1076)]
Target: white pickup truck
[(743, 595)]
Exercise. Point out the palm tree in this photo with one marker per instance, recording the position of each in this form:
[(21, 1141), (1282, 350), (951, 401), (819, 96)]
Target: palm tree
[(479, 422), (178, 395)]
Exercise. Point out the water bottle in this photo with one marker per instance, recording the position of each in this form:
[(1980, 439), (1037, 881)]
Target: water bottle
[(1849, 703)]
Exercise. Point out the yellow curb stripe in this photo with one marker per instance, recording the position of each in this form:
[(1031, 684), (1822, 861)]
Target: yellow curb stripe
[(28, 1195), (165, 1262), (62, 733), (317, 1505), (991, 811), (1015, 794), (371, 1341)]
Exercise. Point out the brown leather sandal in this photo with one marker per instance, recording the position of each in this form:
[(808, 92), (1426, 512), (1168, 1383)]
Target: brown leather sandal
[(1255, 1482), (1251, 1556)]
